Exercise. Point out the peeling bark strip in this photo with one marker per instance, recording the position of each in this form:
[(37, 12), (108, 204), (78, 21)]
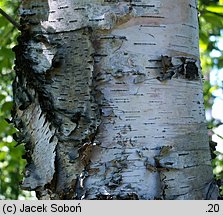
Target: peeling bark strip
[(96, 121)]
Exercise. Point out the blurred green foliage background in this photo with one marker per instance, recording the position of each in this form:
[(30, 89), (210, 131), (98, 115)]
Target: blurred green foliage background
[(11, 162)]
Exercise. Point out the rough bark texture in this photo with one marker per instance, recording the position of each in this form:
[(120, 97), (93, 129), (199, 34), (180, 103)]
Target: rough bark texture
[(108, 99)]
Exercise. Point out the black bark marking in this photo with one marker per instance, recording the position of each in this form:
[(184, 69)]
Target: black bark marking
[(191, 71), (186, 69)]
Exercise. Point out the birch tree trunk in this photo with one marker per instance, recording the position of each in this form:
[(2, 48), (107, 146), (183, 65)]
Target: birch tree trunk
[(108, 99)]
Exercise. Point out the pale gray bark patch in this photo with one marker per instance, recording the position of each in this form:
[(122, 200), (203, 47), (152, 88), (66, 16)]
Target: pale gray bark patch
[(42, 150), (111, 129), (176, 160)]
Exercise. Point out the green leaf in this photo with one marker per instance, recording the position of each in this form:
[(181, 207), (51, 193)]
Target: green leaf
[(2, 97), (7, 106), (3, 126), (215, 8), (214, 20)]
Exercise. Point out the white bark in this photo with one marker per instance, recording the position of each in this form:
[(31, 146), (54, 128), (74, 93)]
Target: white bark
[(120, 84)]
